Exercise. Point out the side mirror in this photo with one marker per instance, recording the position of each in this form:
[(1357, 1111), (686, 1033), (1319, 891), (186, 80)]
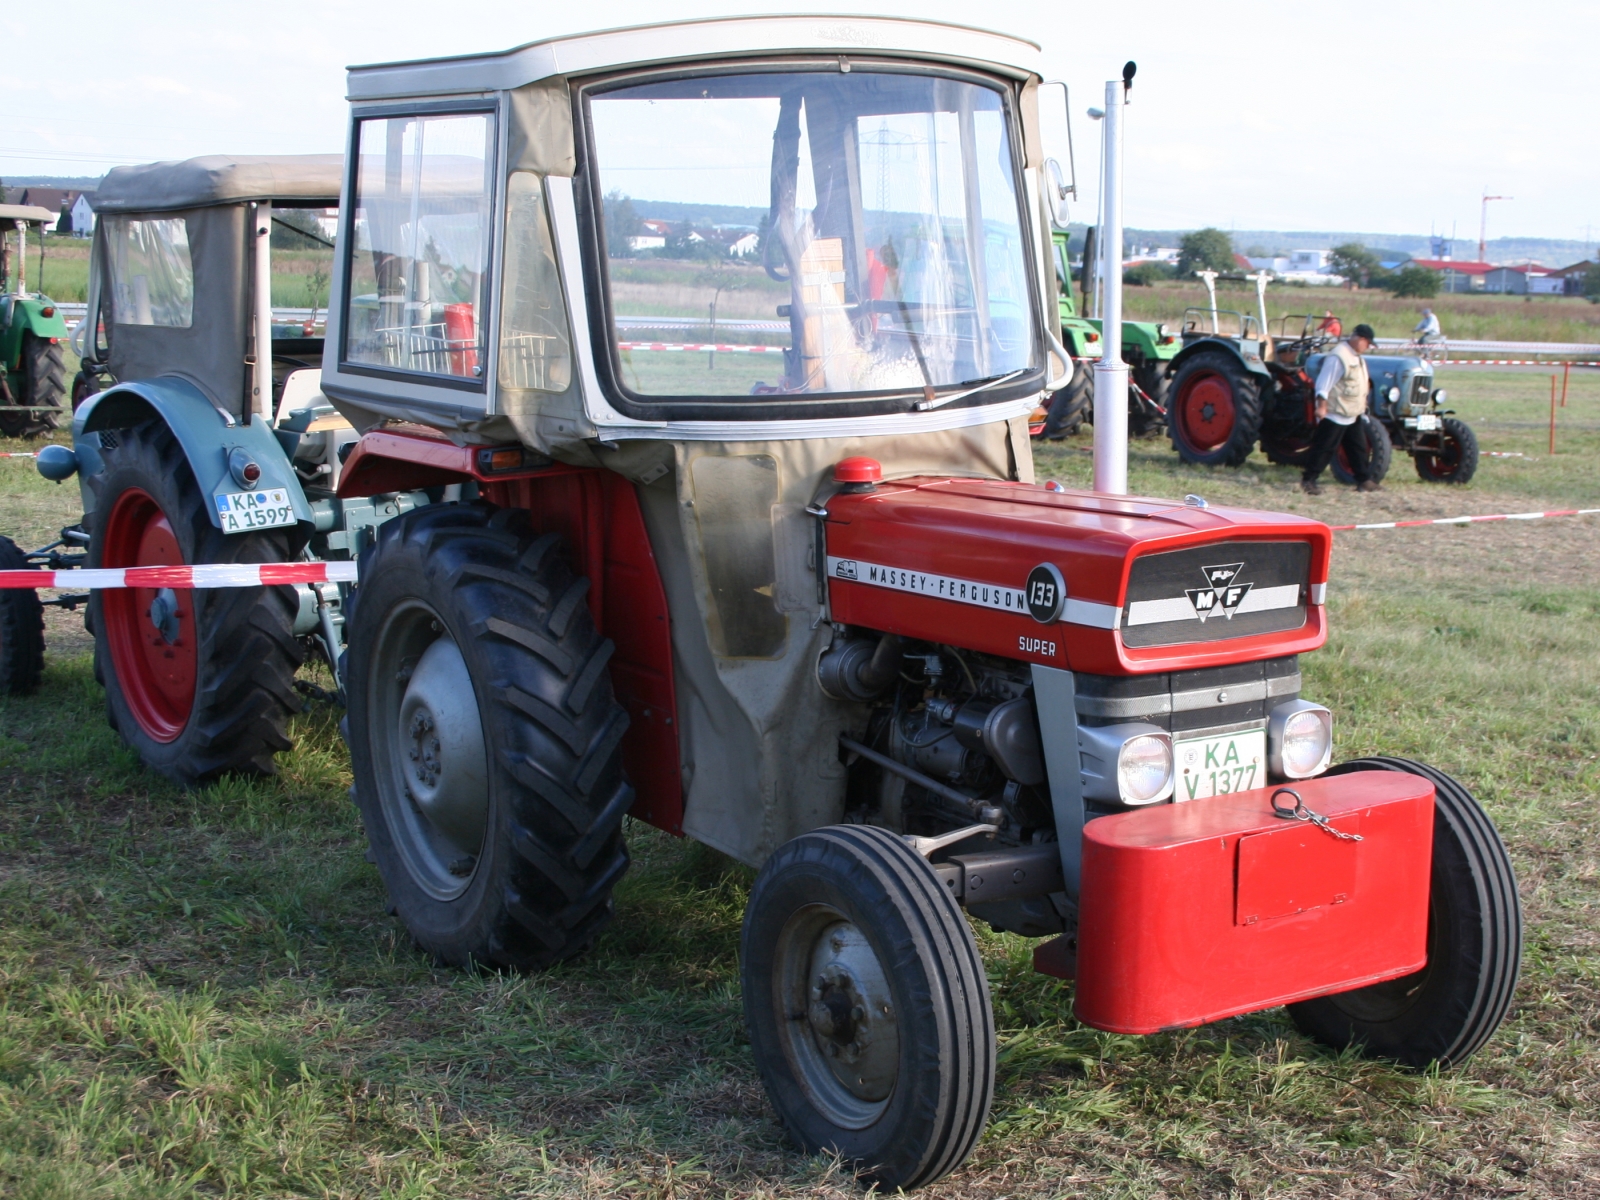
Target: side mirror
[(1057, 190)]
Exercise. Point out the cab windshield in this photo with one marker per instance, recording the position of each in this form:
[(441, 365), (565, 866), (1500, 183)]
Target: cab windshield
[(811, 232)]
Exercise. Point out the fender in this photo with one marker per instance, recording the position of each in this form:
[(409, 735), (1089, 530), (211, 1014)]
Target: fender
[(29, 315), (1253, 364), (206, 434)]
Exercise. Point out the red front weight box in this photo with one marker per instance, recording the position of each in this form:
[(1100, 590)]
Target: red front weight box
[(1192, 912)]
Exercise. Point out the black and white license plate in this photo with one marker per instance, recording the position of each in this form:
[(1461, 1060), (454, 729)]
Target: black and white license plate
[(243, 511), (1235, 762)]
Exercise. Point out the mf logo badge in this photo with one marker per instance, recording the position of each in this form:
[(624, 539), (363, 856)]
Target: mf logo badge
[(1222, 593)]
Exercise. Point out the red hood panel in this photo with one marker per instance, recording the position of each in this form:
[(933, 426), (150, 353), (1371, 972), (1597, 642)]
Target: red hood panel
[(948, 560)]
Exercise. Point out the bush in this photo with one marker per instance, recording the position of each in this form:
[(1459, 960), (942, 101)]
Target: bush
[(1354, 261), (1591, 283), (1148, 273), (1206, 249), (1414, 281)]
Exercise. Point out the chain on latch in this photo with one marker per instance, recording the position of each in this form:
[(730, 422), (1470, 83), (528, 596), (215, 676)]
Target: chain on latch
[(1301, 813)]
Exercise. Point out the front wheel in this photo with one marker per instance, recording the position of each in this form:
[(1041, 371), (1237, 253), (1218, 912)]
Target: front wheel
[(485, 739), (199, 682), (867, 1005), (1072, 405), (1449, 1009), (1380, 454), (1456, 461), (1214, 410)]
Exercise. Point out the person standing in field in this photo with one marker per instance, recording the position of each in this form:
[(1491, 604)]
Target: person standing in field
[(1427, 330), (1341, 408), (1330, 324)]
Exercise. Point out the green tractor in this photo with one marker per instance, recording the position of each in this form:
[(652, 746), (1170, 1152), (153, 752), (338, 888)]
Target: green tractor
[(33, 373), (1147, 348)]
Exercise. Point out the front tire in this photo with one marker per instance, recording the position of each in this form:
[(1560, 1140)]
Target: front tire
[(1072, 405), (485, 738), (1380, 455), (867, 1005), (199, 682), (1457, 460), (1215, 412), (21, 628), (1449, 1009), (44, 383)]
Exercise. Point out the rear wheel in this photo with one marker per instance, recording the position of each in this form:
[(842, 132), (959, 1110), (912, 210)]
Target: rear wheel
[(1214, 410), (1449, 1009), (43, 380), (1380, 455), (1457, 459), (485, 738), (867, 1005), (1151, 376), (1072, 405), (21, 628), (200, 682)]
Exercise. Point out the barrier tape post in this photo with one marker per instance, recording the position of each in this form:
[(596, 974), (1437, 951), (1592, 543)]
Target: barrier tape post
[(1566, 374), (1552, 414)]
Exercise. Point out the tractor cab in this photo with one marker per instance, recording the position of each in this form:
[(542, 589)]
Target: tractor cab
[(32, 331)]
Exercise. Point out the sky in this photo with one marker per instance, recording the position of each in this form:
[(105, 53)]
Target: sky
[(1374, 117)]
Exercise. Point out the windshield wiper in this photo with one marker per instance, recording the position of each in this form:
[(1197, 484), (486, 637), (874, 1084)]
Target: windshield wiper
[(941, 401)]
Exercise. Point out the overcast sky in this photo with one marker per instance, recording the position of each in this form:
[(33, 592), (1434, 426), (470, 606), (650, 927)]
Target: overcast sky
[(1378, 117)]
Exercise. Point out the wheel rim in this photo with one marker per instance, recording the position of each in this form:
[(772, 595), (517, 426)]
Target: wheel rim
[(429, 757), (836, 1016), (1205, 411), (150, 631), (1443, 464)]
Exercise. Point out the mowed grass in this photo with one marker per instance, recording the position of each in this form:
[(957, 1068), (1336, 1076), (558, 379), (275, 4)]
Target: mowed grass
[(203, 994)]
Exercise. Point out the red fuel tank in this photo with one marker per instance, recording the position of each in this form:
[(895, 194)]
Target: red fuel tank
[(1072, 579), (1192, 912)]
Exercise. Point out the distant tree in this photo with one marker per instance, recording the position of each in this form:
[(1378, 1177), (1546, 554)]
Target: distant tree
[(1591, 282), (1415, 281), (1147, 273), (1205, 249), (1355, 262), (622, 223)]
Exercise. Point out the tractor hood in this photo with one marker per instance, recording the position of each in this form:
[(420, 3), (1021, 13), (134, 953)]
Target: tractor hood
[(1076, 580)]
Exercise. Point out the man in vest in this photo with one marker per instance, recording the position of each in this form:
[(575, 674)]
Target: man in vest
[(1341, 408)]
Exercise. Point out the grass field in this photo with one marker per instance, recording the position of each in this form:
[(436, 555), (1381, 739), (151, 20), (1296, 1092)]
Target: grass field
[(1487, 318), (202, 995)]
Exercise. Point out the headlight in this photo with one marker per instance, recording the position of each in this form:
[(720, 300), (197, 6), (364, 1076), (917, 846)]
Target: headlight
[(1299, 740), (1125, 764), (1394, 394), (1144, 769), (1440, 395)]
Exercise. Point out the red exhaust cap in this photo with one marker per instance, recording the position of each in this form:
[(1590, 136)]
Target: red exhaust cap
[(858, 470)]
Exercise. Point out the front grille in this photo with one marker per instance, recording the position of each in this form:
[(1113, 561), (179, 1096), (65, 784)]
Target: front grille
[(1216, 592), (1186, 701)]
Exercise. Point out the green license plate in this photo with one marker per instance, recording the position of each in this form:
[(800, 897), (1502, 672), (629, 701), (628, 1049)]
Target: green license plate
[(1235, 762)]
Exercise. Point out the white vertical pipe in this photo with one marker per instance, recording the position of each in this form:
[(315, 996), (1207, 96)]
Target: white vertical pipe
[(1111, 373), (261, 383)]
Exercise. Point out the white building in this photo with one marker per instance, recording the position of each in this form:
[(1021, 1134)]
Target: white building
[(81, 214), (647, 241), (748, 244)]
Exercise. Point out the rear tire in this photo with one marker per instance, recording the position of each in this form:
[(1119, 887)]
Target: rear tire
[(1458, 462), (1449, 1009), (1379, 458), (485, 738), (44, 383), (209, 689), (21, 629), (1072, 405), (1214, 414), (867, 1005), (1152, 378)]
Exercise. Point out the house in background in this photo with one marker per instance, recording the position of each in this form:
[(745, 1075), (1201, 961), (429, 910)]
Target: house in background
[(55, 199), (77, 218), (1457, 275), (748, 244), (1525, 279), (1573, 277)]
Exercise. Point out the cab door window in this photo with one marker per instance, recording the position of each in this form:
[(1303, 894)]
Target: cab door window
[(417, 298)]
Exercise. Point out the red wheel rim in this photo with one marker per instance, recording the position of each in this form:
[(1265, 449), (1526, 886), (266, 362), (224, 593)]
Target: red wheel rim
[(1205, 411), (155, 666)]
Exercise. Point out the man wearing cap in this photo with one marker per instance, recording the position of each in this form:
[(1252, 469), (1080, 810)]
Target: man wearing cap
[(1341, 405)]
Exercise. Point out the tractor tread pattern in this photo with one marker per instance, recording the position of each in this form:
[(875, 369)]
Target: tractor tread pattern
[(21, 629), (1248, 406), (43, 380)]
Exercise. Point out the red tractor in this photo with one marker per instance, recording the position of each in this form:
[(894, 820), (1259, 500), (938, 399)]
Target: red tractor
[(797, 594)]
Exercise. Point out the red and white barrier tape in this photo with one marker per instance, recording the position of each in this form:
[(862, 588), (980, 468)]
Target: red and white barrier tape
[(19, 454), (718, 347), (1512, 362), (1529, 516), (212, 576)]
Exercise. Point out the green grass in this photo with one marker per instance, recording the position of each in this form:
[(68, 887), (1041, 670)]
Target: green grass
[(203, 995), (1489, 318)]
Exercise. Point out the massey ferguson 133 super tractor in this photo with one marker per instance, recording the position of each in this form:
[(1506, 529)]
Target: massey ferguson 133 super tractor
[(794, 591)]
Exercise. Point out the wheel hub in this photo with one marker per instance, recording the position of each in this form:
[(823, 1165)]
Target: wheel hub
[(851, 1014), (446, 768), (164, 615)]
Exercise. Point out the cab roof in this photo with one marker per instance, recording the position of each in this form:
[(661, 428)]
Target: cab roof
[(298, 180), (683, 41), (26, 212)]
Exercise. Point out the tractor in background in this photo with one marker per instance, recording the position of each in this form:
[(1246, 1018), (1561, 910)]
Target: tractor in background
[(1147, 347), (33, 380)]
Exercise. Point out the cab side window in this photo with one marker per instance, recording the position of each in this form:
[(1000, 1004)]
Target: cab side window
[(535, 350), (421, 237), (152, 275)]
